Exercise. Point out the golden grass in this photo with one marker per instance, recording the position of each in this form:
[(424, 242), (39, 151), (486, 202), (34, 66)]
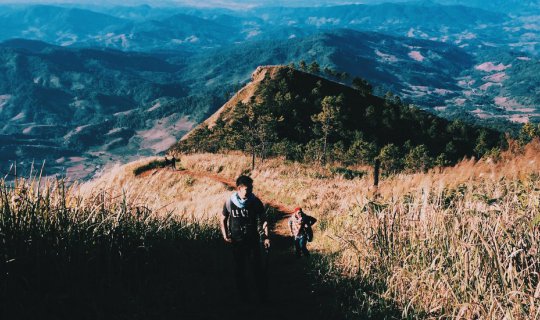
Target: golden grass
[(162, 191), (460, 242), (66, 254)]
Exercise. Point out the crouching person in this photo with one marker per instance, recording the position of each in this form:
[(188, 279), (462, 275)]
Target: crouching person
[(243, 225), (300, 226)]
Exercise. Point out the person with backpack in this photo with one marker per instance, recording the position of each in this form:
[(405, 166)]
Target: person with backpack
[(244, 226), (300, 226)]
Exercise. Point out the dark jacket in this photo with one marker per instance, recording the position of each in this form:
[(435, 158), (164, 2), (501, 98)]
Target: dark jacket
[(245, 223)]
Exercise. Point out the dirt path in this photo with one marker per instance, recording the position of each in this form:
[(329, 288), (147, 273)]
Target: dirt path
[(280, 228), (292, 291)]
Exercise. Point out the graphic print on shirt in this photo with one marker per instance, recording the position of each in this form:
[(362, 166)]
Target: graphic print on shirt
[(240, 213)]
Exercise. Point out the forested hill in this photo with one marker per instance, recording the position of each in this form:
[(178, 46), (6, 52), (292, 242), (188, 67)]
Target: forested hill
[(295, 114)]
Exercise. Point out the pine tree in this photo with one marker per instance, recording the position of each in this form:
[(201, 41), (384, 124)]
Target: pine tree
[(363, 86), (482, 143), (302, 65), (390, 157), (328, 121), (314, 68), (528, 132), (255, 128), (418, 159)]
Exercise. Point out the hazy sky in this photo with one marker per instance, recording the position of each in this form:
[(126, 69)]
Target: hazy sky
[(208, 3)]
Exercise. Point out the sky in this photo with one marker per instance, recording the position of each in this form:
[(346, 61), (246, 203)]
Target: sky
[(198, 3)]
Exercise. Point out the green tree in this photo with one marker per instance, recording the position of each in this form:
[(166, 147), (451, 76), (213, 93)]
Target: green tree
[(362, 85), (528, 132), (253, 129), (314, 68), (313, 151), (441, 161), (338, 152), (418, 159), (265, 133), (390, 157), (450, 151), (329, 72), (290, 150), (482, 144), (360, 150), (303, 66), (328, 121)]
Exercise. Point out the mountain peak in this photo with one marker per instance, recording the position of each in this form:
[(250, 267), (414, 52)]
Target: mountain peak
[(244, 95), (288, 112)]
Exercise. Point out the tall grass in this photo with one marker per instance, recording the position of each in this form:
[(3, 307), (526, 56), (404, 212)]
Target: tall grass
[(469, 252), (460, 242), (63, 255), (162, 191)]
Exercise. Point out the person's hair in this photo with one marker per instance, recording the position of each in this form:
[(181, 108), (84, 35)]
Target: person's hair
[(244, 181)]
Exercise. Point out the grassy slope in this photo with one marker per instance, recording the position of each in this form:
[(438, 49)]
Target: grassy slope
[(295, 97), (458, 242), (112, 248)]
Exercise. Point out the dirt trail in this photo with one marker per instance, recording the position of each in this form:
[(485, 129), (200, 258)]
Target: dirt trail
[(292, 291), (280, 228)]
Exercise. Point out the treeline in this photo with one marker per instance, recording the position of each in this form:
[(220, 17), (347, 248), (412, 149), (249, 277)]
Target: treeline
[(305, 118)]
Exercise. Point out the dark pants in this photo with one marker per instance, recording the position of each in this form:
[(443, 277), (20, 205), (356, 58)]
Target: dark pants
[(248, 252), (300, 244)]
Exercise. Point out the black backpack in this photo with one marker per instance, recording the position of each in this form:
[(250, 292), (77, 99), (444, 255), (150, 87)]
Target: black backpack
[(309, 233), (309, 230)]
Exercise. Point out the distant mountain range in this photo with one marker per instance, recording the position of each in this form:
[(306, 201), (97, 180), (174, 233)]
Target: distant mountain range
[(391, 63), (144, 28), (61, 103), (506, 6), (78, 27), (491, 85)]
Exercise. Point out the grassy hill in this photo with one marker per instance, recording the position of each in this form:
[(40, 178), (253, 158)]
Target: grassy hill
[(423, 245), (141, 247), (437, 244), (110, 105), (304, 117)]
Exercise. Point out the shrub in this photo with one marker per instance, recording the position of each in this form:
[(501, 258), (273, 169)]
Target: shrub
[(347, 173), (149, 166)]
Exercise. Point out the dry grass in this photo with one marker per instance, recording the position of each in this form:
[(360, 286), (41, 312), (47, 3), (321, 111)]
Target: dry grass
[(67, 256), (162, 191), (462, 242)]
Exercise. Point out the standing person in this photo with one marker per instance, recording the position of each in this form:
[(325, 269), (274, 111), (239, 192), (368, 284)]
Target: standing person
[(300, 226), (244, 226)]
